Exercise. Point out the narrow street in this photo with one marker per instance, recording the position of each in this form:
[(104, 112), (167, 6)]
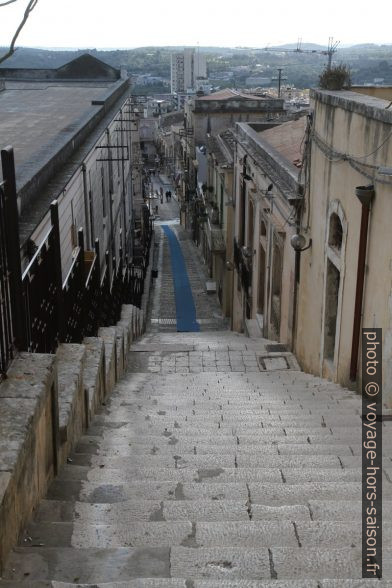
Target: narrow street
[(216, 463)]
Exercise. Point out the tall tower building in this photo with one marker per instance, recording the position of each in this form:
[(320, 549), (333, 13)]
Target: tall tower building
[(186, 67)]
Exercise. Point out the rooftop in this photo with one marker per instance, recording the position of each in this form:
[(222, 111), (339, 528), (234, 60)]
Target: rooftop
[(47, 115), (228, 94), (37, 118), (287, 139)]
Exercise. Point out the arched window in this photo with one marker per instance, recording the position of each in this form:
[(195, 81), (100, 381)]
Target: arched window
[(334, 272), (335, 235)]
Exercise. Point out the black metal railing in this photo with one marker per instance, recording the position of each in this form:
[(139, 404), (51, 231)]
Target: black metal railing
[(37, 309), (40, 291), (6, 330)]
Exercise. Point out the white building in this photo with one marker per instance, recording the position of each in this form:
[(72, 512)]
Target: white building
[(186, 68)]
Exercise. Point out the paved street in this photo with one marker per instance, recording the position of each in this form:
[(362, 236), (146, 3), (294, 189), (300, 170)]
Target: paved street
[(216, 463), (163, 309)]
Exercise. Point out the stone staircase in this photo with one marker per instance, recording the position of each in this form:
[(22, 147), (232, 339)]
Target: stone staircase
[(214, 470)]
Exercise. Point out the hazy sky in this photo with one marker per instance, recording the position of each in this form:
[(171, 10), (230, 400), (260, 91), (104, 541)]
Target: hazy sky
[(127, 23)]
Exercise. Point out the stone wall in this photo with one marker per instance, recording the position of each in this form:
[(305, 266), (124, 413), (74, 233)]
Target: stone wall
[(46, 402)]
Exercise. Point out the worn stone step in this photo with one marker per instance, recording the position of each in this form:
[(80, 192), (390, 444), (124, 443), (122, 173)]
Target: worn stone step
[(182, 583), (181, 460), (262, 493), (144, 490), (314, 563), (214, 507), (136, 583), (81, 534), (331, 534), (47, 584), (280, 563), (86, 565), (180, 448), (220, 562), (344, 510), (119, 476), (291, 583), (217, 416)]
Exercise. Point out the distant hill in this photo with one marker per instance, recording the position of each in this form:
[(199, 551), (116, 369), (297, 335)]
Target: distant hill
[(292, 46), (366, 61)]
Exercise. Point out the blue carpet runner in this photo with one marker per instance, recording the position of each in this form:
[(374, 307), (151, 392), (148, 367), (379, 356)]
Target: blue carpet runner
[(185, 306)]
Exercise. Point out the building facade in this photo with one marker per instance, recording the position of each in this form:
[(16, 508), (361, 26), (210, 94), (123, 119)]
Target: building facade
[(186, 68), (345, 276), (267, 189), (76, 140)]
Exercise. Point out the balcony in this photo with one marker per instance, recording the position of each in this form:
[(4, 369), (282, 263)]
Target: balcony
[(243, 265)]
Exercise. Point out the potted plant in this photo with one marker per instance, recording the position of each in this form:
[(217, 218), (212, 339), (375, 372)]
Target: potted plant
[(335, 78)]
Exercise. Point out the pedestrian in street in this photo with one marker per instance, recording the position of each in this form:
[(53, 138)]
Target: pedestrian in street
[(170, 195), (167, 195), (161, 197)]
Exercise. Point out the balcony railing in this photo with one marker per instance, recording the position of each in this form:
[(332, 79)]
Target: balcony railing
[(243, 267), (37, 309)]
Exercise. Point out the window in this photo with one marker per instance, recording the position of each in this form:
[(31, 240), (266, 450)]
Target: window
[(335, 236)]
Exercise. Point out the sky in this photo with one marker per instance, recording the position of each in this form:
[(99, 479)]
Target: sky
[(126, 24)]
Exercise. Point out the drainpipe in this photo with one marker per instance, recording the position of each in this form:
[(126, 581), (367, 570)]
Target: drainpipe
[(86, 206), (365, 195)]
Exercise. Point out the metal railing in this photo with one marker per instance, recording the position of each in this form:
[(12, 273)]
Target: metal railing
[(37, 309), (6, 329)]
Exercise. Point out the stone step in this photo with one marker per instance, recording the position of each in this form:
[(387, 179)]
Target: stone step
[(137, 583), (344, 510), (352, 435), (229, 563), (290, 583), (280, 562), (269, 494), (212, 508), (231, 459), (82, 534), (290, 475), (86, 565), (180, 583), (119, 476), (137, 449), (174, 438)]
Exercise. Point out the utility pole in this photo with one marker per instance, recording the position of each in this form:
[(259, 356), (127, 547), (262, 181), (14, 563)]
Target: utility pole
[(279, 79), (330, 51)]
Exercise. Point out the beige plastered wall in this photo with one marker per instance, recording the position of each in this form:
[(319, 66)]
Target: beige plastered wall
[(333, 185)]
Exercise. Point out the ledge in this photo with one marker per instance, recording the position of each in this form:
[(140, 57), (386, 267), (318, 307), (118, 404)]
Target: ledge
[(367, 106), (76, 380)]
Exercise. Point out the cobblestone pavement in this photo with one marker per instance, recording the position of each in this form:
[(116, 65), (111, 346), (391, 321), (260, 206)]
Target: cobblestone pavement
[(216, 463)]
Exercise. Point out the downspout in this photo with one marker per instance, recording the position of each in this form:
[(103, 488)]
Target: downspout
[(365, 195), (86, 207), (297, 271)]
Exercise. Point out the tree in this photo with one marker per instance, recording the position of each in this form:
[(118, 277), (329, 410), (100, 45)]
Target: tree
[(29, 8)]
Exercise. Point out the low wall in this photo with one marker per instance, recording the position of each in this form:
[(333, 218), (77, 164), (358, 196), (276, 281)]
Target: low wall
[(46, 403)]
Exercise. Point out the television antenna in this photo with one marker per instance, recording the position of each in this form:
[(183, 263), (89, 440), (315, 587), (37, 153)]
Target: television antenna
[(330, 51)]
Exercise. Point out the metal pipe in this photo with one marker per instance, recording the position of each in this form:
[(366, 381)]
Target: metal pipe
[(365, 194), (86, 206)]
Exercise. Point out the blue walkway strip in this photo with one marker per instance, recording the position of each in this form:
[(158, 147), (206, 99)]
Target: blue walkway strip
[(185, 306)]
